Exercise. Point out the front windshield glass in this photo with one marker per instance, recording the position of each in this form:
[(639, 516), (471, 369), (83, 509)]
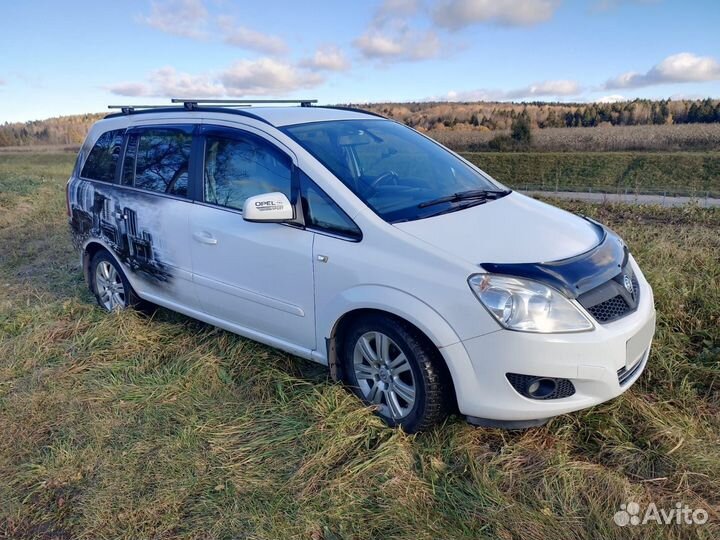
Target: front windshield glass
[(393, 169)]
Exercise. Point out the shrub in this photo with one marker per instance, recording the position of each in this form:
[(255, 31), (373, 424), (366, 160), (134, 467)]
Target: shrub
[(520, 129)]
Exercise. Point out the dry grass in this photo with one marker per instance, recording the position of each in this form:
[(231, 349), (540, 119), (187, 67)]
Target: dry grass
[(121, 426), (675, 173), (40, 148), (664, 138)]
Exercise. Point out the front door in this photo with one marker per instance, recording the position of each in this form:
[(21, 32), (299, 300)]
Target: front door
[(258, 276)]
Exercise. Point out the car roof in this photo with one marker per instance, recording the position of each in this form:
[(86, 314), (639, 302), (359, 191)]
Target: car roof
[(286, 116), (275, 116)]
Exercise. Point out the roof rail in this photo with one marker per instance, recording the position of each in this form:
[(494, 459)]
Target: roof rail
[(127, 109), (353, 109), (232, 106), (191, 103), (140, 109)]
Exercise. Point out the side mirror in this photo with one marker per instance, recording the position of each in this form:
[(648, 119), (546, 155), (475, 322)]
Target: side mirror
[(268, 207)]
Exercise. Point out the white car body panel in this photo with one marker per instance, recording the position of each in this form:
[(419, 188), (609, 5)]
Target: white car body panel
[(256, 275), (288, 287), (514, 229)]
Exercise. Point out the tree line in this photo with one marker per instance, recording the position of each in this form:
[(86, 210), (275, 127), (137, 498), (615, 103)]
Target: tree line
[(62, 130), (437, 116), (500, 116)]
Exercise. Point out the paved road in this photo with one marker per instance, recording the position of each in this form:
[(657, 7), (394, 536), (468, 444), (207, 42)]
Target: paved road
[(629, 198)]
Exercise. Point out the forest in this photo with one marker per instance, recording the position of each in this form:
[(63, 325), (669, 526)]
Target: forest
[(437, 117)]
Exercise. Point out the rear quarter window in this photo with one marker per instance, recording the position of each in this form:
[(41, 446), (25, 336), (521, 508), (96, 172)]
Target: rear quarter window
[(103, 159)]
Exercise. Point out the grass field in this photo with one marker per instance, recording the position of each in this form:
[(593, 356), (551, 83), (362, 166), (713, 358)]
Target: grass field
[(124, 426), (662, 138), (677, 173), (695, 174)]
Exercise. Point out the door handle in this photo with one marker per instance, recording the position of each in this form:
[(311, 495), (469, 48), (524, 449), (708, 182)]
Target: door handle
[(205, 237)]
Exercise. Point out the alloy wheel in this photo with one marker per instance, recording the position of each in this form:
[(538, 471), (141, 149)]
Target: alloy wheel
[(384, 375), (109, 286)]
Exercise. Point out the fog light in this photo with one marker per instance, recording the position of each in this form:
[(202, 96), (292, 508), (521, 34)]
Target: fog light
[(542, 388)]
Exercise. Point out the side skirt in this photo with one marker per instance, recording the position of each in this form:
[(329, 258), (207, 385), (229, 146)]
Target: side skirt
[(265, 339)]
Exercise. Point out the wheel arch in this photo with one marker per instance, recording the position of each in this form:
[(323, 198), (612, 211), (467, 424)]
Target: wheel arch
[(90, 248), (429, 324), (335, 343), (387, 300)]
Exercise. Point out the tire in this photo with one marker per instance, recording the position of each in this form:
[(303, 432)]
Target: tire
[(108, 283), (383, 359)]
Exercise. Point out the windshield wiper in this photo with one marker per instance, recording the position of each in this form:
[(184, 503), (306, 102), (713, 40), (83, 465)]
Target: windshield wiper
[(457, 207), (473, 194)]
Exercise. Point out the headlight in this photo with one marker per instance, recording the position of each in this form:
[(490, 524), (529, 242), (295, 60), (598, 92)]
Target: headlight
[(526, 305)]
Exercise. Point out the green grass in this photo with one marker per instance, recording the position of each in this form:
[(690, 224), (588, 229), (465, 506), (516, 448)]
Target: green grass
[(24, 174), (123, 426), (685, 173)]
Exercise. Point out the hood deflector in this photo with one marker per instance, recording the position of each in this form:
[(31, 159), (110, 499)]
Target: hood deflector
[(575, 275)]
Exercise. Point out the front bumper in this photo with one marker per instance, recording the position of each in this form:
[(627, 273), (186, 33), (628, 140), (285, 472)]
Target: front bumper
[(601, 364)]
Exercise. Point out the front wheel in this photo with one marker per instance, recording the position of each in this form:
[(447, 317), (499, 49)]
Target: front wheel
[(391, 366)]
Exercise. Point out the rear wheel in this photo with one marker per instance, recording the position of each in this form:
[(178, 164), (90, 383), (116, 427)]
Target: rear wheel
[(109, 284), (391, 366)]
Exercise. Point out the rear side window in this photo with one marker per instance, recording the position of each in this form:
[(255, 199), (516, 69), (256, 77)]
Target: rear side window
[(321, 212), (103, 158), (128, 171), (158, 160), (241, 166)]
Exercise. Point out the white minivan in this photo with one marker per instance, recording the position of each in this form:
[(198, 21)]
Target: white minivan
[(352, 240)]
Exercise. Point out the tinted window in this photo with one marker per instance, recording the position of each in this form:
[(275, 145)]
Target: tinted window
[(103, 158), (388, 166), (128, 170), (237, 168), (321, 212), (162, 161)]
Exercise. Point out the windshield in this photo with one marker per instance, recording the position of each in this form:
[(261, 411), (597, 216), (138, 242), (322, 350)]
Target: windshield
[(393, 169)]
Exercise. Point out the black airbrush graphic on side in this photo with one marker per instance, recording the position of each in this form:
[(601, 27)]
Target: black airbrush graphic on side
[(96, 213)]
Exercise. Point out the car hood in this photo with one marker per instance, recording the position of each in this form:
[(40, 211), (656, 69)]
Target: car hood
[(513, 229)]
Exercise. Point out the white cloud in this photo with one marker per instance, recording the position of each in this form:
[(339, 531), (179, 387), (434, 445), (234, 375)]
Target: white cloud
[(3, 82), (546, 89), (468, 95), (266, 76), (378, 46), (263, 76), (168, 82), (678, 68), (241, 36), (402, 45), (612, 98), (186, 18), (396, 8), (329, 58), (457, 14), (389, 37), (686, 96), (130, 89)]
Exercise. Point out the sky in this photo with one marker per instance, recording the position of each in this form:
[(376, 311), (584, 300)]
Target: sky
[(72, 57)]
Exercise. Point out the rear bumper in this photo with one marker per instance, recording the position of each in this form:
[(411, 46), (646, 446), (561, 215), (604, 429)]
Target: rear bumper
[(601, 364)]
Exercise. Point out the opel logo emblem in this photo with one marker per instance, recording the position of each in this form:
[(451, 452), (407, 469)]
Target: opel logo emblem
[(628, 284)]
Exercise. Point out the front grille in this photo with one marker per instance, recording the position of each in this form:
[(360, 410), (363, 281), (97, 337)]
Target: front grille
[(625, 374), (611, 300), (609, 310), (521, 383)]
